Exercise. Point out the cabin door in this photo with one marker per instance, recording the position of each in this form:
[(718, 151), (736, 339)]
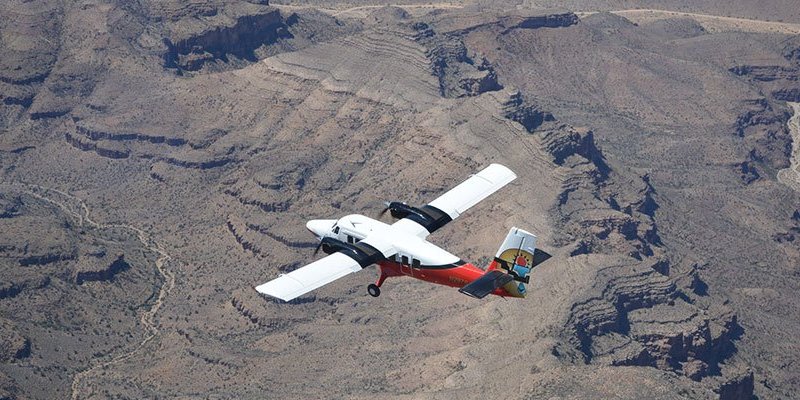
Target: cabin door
[(405, 266)]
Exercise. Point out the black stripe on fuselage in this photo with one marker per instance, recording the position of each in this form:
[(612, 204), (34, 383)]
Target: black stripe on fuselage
[(430, 217), (444, 266)]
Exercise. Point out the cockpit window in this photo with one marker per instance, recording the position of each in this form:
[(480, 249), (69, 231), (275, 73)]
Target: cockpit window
[(336, 230)]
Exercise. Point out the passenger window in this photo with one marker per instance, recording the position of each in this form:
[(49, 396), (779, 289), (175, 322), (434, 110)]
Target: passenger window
[(405, 260), (336, 230), (349, 239), (415, 263)]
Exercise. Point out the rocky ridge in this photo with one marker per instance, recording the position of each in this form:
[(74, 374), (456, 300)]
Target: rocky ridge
[(252, 34), (641, 312), (791, 175)]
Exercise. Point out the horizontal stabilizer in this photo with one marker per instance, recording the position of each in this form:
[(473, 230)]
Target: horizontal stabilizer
[(540, 256), (486, 284)]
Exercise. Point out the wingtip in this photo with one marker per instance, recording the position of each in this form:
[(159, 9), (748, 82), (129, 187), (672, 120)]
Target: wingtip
[(271, 295), (500, 168), (264, 290), (498, 165), (269, 290)]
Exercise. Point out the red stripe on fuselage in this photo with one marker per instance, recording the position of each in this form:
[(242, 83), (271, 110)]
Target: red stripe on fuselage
[(457, 276)]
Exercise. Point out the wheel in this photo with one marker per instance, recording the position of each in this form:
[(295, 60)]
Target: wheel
[(373, 290)]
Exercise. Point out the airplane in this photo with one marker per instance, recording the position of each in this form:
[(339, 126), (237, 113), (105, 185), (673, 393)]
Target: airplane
[(355, 242)]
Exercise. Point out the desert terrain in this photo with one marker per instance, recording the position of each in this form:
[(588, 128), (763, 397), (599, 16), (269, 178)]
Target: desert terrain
[(159, 159)]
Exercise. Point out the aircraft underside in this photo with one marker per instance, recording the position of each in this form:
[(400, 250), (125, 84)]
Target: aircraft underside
[(456, 276)]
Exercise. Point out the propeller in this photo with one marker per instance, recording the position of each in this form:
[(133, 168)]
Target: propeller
[(326, 244), (398, 209), (387, 206)]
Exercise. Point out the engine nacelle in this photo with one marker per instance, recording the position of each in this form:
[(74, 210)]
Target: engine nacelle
[(363, 253), (332, 245), (428, 216), (400, 210)]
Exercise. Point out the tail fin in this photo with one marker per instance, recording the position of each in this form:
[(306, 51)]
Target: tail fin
[(517, 256)]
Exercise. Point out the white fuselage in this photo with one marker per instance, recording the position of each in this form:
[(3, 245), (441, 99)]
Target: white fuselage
[(408, 247)]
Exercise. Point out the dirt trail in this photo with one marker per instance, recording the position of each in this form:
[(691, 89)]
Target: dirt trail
[(361, 11), (791, 176), (431, 6), (82, 215), (712, 23)]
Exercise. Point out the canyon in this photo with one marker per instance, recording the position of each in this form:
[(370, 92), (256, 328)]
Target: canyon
[(159, 159)]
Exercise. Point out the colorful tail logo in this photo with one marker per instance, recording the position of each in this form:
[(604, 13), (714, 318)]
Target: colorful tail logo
[(516, 257)]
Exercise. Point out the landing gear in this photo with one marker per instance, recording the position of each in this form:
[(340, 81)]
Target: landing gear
[(373, 290)]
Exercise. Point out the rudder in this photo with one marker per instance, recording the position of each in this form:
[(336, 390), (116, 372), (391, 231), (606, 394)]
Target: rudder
[(516, 256)]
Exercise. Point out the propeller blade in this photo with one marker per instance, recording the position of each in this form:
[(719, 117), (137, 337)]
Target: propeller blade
[(387, 207), (319, 246)]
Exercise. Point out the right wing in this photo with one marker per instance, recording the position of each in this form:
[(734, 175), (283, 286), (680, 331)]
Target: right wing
[(328, 269), (459, 199)]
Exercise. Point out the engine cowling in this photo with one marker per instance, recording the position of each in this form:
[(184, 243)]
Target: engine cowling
[(428, 216), (331, 245), (400, 210), (363, 253)]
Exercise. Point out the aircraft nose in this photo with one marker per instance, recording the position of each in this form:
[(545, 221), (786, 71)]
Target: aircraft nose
[(320, 227)]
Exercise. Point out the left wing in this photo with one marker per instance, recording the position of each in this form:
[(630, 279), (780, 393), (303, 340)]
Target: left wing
[(312, 276), (328, 269), (456, 201)]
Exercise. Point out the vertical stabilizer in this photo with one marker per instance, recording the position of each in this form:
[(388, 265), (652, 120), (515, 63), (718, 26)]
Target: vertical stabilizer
[(517, 256)]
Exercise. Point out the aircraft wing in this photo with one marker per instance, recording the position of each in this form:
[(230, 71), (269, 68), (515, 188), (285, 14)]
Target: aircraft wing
[(327, 269), (457, 200)]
